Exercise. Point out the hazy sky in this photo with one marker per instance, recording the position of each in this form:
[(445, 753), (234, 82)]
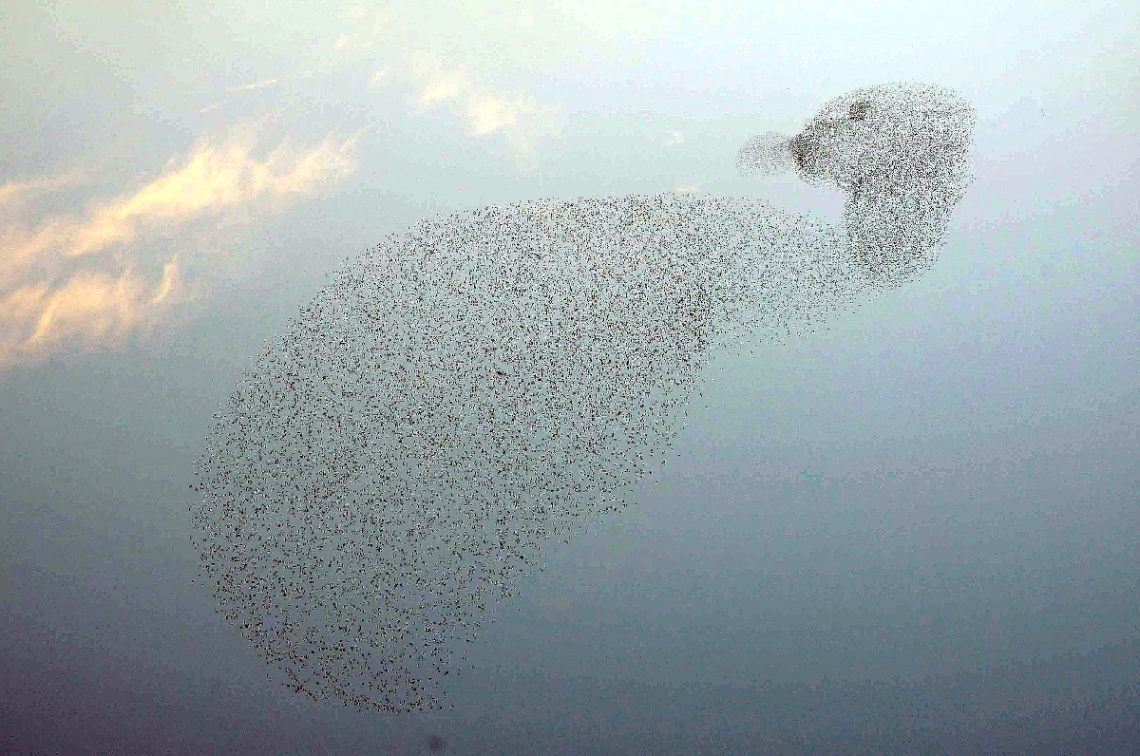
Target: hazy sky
[(915, 529)]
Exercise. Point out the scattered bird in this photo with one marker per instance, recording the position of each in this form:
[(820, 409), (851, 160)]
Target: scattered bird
[(467, 392)]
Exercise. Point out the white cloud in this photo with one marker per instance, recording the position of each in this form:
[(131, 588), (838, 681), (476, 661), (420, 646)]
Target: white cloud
[(521, 118), (369, 26), (256, 85), (439, 83)]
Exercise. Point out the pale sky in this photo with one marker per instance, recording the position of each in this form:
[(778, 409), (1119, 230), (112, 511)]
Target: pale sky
[(177, 179)]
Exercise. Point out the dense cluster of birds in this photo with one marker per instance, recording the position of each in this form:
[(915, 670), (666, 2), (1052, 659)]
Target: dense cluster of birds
[(474, 388)]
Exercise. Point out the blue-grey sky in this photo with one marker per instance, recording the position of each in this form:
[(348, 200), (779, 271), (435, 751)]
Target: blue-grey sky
[(915, 529)]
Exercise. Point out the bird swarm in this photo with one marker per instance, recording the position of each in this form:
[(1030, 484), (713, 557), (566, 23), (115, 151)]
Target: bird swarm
[(470, 390)]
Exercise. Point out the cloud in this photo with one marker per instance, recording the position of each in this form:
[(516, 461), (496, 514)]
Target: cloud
[(255, 85), (437, 84), (214, 178), (83, 280), (89, 310), (368, 27), (410, 49), (15, 193), (520, 117)]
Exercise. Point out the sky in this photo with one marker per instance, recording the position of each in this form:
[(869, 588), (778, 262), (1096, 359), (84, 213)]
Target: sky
[(914, 529)]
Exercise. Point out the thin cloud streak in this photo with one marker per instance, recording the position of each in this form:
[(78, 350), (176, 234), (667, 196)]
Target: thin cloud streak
[(18, 192), (255, 85), (59, 284)]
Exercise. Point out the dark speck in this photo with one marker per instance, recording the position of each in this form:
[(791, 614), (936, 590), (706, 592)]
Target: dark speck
[(858, 110)]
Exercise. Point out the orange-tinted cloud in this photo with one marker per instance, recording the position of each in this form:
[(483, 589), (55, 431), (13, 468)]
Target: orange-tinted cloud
[(87, 311), (15, 193), (84, 281)]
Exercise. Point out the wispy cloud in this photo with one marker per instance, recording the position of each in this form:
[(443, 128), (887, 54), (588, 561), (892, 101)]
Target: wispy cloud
[(14, 193), (214, 177), (409, 53), (520, 117), (255, 85), (85, 280), (88, 310), (369, 26)]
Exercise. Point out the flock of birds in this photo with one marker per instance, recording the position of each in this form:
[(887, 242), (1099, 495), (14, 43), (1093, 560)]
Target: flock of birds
[(487, 382)]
